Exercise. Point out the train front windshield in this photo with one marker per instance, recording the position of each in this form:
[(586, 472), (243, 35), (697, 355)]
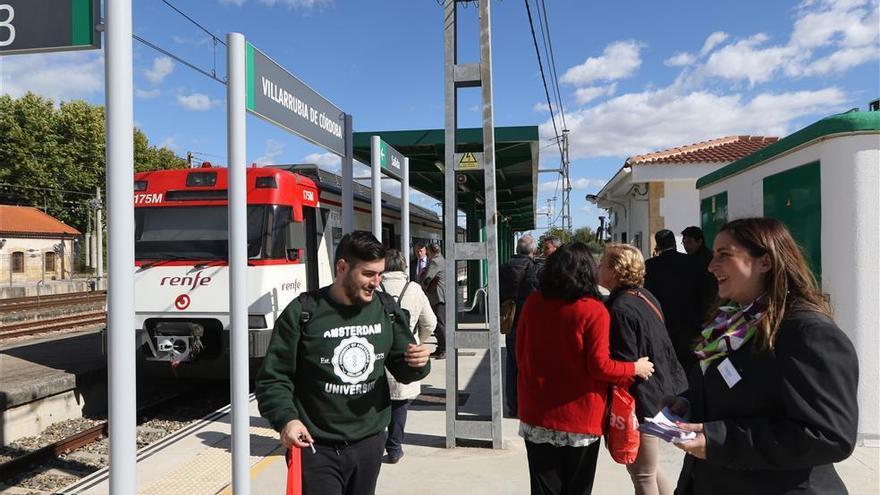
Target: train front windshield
[(201, 232)]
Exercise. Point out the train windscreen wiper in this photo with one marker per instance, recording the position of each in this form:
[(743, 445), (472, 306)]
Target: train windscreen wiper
[(165, 257)]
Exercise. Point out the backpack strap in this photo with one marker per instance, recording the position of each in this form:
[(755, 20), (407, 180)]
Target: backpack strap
[(402, 291), (308, 303), (389, 305)]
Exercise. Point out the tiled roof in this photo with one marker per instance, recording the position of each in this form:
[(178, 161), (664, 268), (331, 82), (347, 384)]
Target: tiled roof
[(725, 150), (29, 220)]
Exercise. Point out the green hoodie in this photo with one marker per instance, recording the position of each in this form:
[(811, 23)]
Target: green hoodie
[(332, 376)]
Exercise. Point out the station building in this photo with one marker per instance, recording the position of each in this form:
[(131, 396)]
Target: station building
[(34, 247)]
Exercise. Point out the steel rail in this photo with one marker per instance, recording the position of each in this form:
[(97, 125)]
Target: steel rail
[(43, 326)]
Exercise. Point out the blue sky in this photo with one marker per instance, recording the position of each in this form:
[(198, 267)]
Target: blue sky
[(634, 77)]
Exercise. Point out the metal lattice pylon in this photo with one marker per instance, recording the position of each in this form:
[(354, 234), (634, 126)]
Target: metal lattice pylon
[(470, 335)]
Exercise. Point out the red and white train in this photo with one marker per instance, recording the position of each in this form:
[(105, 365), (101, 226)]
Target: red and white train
[(182, 276)]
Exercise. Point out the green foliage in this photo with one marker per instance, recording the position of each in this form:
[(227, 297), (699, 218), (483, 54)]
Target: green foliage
[(580, 234), (45, 150)]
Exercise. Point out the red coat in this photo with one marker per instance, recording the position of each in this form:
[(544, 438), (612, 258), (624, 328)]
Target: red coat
[(564, 364)]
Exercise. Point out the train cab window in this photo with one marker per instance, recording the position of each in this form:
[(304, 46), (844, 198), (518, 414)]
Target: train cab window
[(296, 241)]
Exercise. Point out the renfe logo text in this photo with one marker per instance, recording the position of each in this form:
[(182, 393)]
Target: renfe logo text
[(191, 282)]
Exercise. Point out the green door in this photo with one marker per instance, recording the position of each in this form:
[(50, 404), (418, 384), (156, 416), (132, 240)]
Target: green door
[(795, 198), (713, 215)]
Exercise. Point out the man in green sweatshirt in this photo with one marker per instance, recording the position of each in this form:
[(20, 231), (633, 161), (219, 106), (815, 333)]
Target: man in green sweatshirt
[(323, 385)]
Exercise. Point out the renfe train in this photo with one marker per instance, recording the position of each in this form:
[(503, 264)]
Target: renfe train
[(182, 276)]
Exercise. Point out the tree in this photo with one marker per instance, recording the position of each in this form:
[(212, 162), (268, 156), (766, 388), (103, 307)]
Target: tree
[(580, 234), (54, 157)]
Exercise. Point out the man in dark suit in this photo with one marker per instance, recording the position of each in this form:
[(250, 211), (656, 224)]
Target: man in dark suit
[(674, 279)]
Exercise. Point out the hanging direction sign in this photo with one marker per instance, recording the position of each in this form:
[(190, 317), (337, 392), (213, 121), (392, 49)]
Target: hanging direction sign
[(34, 26), (277, 96), (390, 160)]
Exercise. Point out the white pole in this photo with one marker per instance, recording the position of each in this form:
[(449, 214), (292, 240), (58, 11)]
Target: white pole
[(99, 248), (348, 179), (404, 212), (376, 185), (236, 94), (120, 238)]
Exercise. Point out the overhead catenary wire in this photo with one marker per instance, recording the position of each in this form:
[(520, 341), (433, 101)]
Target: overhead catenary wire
[(552, 63), (543, 77)]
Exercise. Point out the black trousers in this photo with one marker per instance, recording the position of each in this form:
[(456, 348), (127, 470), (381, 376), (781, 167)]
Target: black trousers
[(510, 371), (394, 444), (440, 331), (343, 468), (562, 470)]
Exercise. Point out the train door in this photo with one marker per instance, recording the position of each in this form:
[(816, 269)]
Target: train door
[(389, 240)]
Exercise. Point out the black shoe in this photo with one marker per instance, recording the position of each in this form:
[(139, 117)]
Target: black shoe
[(392, 458), (438, 355)]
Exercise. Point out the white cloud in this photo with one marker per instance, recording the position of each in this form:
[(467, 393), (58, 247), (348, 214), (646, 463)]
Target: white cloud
[(842, 60), (619, 60), (274, 149), (680, 59), (170, 143), (636, 123), (327, 161), (60, 76), (541, 107), (237, 3), (586, 95), (186, 40), (146, 94), (162, 67), (197, 101), (293, 4), (712, 41), (580, 184)]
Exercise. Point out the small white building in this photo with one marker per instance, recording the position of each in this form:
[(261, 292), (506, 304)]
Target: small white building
[(34, 246), (658, 190), (822, 182)]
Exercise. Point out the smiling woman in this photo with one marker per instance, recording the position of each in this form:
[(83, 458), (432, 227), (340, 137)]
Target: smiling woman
[(773, 401)]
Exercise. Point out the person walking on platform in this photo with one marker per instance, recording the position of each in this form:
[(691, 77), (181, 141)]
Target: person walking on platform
[(434, 283), (637, 330), (564, 373), (420, 264), (322, 384), (673, 278), (695, 246), (518, 278), (773, 401), (549, 245), (422, 321)]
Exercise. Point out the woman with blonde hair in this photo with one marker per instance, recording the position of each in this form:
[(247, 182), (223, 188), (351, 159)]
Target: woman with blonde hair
[(773, 401), (637, 329)]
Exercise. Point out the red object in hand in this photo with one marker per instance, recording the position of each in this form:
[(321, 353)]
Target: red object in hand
[(294, 471), (622, 434)]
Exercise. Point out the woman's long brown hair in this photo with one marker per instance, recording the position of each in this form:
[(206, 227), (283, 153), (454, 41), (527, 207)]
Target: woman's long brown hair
[(789, 284)]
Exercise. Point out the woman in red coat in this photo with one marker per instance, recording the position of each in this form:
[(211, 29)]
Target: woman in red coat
[(564, 372)]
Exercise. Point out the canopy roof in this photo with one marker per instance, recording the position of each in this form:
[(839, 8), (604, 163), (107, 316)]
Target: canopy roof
[(516, 165)]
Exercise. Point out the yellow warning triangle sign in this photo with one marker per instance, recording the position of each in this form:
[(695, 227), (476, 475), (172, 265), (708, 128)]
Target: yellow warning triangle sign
[(468, 160)]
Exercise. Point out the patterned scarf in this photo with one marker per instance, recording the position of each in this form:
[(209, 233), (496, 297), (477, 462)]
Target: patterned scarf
[(732, 327)]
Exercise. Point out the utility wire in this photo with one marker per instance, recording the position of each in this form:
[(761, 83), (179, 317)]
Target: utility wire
[(175, 57), (190, 19), (543, 78), (553, 73)]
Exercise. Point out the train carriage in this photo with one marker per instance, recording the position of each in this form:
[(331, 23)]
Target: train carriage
[(182, 276)]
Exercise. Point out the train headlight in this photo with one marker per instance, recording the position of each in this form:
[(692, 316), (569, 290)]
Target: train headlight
[(256, 321), (140, 185)]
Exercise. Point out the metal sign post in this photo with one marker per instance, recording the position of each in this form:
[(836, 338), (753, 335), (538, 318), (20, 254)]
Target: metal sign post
[(36, 26), (385, 159), (236, 97), (404, 212), (121, 373)]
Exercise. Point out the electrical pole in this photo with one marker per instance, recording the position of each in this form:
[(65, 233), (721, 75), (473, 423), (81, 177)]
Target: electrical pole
[(99, 238), (566, 179)]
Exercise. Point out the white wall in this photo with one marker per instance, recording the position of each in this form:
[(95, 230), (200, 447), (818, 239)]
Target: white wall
[(850, 184), (680, 206)]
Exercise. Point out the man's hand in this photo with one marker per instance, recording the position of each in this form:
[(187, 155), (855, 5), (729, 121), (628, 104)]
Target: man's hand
[(416, 356), (295, 434)]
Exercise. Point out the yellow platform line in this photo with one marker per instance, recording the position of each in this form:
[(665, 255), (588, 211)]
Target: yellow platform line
[(259, 467)]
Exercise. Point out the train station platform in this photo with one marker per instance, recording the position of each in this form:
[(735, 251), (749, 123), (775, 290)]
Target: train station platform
[(59, 370), (197, 460)]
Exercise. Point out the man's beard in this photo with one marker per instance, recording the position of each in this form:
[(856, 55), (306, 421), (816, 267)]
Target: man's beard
[(353, 292)]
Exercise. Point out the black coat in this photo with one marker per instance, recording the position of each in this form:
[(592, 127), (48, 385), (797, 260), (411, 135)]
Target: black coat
[(675, 280), (779, 429), (518, 278), (637, 331)]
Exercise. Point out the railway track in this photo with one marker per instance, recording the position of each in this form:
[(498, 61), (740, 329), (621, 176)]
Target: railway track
[(27, 464), (53, 300), (50, 325)]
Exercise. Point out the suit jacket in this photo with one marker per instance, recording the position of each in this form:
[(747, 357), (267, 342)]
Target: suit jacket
[(436, 270), (778, 430), (674, 279), (414, 270)]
